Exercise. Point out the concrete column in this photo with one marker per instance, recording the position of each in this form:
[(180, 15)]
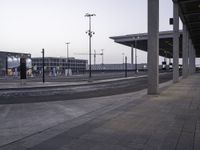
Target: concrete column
[(185, 52), (132, 56), (153, 46), (176, 44), (194, 59), (191, 57)]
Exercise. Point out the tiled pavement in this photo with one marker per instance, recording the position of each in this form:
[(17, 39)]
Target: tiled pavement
[(169, 121)]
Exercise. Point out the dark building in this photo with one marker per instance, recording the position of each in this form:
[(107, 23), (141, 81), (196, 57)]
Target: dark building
[(58, 66), (10, 63)]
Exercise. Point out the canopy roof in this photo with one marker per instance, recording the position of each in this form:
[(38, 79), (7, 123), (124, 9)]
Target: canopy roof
[(140, 42), (190, 15)]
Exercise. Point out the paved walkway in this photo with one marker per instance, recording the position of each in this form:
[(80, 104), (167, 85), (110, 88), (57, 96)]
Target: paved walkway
[(169, 121)]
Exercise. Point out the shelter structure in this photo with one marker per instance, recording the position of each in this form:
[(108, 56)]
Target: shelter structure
[(172, 44)]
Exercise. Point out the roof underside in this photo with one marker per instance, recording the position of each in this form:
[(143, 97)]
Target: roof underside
[(190, 15), (140, 42)]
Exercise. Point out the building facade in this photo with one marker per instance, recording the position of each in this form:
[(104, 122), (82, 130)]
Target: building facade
[(58, 66), (10, 63)]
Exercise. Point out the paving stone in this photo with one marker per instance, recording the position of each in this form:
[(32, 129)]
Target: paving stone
[(169, 121), (110, 147), (197, 140), (78, 144), (54, 143), (170, 140), (186, 141)]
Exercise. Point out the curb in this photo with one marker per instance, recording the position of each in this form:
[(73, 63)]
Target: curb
[(72, 85)]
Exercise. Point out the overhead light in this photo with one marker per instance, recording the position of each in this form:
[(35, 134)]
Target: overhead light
[(199, 5)]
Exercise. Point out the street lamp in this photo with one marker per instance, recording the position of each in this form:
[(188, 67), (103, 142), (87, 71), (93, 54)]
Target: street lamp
[(90, 33), (67, 57)]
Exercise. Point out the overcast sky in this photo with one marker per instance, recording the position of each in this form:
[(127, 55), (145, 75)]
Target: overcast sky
[(30, 25)]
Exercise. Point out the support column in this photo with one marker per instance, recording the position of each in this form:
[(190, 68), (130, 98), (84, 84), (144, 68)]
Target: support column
[(190, 57), (132, 56), (194, 59), (185, 52), (176, 43), (153, 46)]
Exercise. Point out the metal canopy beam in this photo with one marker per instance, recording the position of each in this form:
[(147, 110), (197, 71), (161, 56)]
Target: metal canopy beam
[(165, 42), (189, 13)]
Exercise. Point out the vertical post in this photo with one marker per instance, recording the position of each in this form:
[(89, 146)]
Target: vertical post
[(43, 75), (6, 73), (68, 58), (90, 33), (136, 57), (23, 68), (67, 50), (190, 57), (193, 57), (132, 57), (176, 43), (125, 66), (185, 52), (153, 46), (90, 57)]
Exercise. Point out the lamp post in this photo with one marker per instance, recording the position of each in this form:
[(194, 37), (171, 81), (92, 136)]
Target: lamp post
[(43, 75), (90, 33), (67, 57)]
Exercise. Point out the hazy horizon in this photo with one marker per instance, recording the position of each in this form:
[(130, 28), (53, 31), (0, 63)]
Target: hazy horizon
[(30, 25)]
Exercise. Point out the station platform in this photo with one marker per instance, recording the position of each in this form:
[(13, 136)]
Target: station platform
[(133, 121)]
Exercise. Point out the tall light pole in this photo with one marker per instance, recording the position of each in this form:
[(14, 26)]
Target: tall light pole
[(67, 57), (90, 33), (43, 75)]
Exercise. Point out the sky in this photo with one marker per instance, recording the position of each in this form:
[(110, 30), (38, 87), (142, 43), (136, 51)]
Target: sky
[(30, 25)]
